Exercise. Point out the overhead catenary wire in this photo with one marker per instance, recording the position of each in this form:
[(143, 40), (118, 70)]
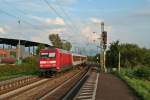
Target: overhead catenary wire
[(19, 10), (67, 15), (57, 13), (19, 19)]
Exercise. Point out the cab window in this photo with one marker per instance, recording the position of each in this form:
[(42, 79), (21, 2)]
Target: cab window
[(52, 55), (44, 55)]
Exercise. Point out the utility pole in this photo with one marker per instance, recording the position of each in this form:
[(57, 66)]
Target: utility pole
[(19, 45), (105, 70), (18, 49), (119, 62), (101, 46), (18, 58)]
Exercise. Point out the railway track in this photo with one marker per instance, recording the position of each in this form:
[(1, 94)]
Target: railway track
[(59, 92), (9, 85), (41, 88), (85, 89), (79, 87)]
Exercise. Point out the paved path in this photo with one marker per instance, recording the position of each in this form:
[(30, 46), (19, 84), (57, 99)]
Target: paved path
[(112, 88)]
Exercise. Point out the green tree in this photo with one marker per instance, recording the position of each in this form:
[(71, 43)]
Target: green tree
[(90, 58), (112, 55), (130, 55), (58, 43), (146, 58), (40, 46), (56, 40), (67, 46)]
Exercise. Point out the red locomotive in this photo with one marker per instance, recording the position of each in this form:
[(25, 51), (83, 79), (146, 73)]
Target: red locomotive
[(56, 60)]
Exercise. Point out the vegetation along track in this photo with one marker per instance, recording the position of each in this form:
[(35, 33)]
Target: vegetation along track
[(38, 89)]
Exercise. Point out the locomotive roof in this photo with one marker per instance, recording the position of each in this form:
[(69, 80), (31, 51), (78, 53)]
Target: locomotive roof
[(61, 50), (75, 54), (65, 51)]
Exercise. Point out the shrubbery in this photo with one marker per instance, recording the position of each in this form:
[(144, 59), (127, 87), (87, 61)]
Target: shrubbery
[(138, 79), (8, 60), (29, 66), (30, 60), (142, 72), (141, 87)]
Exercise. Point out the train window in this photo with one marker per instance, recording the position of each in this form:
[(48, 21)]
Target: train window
[(44, 55), (52, 55)]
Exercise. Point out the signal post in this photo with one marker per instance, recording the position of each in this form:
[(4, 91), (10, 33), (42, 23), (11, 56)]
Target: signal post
[(103, 45)]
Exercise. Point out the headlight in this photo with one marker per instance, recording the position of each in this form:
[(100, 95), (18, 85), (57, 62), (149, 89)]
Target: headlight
[(42, 62)]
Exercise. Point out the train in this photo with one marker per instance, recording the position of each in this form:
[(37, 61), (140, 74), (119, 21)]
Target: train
[(57, 60)]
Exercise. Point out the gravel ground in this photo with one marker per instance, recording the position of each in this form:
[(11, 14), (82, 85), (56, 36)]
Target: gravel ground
[(36, 92), (111, 87)]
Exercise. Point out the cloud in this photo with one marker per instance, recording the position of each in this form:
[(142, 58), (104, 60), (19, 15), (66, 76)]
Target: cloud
[(56, 31), (108, 29), (40, 38), (87, 33), (99, 21), (68, 2), (92, 32), (2, 30), (96, 20), (56, 21), (36, 38), (144, 13), (86, 30)]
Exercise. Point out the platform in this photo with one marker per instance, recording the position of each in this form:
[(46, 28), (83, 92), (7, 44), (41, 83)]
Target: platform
[(111, 87)]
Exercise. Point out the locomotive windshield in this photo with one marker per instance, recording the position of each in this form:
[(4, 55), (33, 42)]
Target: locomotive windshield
[(47, 55), (52, 55), (44, 55)]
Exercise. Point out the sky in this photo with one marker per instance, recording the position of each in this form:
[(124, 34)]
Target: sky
[(77, 21)]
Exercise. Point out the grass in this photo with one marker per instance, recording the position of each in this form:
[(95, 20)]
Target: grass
[(13, 71), (140, 85), (9, 77), (28, 67)]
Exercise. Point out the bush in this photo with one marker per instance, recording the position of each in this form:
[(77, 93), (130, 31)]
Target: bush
[(9, 60), (28, 67), (133, 79), (31, 60), (143, 72), (22, 69), (141, 87)]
